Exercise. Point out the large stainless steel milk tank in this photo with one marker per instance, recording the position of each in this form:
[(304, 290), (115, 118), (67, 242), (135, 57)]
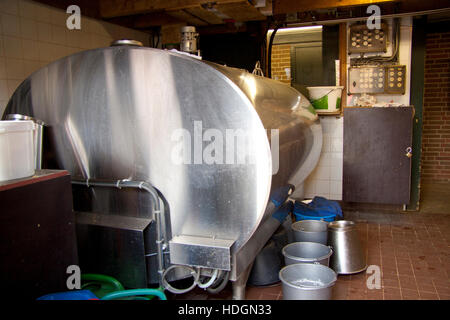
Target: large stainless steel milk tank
[(198, 132)]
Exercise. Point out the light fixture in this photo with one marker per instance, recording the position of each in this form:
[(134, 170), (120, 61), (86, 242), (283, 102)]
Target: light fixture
[(296, 29)]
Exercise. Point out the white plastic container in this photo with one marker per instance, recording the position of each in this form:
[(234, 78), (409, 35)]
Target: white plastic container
[(325, 99), (17, 159)]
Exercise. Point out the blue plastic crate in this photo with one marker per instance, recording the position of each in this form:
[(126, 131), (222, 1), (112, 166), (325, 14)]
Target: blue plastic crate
[(318, 209), (329, 218)]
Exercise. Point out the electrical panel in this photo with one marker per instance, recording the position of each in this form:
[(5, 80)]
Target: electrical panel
[(377, 80), (367, 80), (395, 79), (362, 39)]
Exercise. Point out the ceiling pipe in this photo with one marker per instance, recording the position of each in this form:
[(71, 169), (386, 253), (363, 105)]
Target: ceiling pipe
[(387, 16)]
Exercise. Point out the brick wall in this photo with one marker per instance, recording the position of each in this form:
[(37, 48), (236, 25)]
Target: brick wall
[(281, 59), (436, 115)]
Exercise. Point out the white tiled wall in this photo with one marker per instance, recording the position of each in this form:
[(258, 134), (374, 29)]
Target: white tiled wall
[(326, 179), (33, 34)]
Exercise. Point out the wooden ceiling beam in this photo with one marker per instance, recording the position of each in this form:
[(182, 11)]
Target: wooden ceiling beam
[(150, 20), (241, 11), (205, 15), (183, 15), (120, 8), (221, 29)]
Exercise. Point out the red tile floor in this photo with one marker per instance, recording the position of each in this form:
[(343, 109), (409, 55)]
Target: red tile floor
[(411, 249)]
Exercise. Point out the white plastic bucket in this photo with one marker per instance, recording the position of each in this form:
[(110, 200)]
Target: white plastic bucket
[(325, 99), (17, 158)]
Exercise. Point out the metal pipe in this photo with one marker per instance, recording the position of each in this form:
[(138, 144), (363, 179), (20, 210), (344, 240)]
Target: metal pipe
[(143, 185), (269, 54), (385, 16), (239, 285)]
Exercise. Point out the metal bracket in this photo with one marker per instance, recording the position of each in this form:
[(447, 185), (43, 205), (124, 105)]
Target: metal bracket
[(201, 252)]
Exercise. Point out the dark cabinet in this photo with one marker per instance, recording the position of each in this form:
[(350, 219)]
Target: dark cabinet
[(37, 234), (377, 161)]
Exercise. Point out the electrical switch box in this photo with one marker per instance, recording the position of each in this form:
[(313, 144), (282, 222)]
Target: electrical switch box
[(362, 39), (395, 79), (377, 79)]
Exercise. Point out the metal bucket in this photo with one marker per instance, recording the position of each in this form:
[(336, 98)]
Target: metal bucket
[(306, 281), (266, 266), (310, 231), (348, 256), (307, 252)]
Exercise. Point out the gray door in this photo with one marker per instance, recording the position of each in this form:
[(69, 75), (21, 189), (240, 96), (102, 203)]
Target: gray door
[(377, 168), (307, 64)]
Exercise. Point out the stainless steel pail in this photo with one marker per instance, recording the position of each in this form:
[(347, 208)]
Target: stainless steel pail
[(349, 256), (307, 252), (306, 281), (310, 231)]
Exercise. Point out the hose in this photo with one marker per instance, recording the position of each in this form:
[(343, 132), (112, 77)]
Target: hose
[(223, 281), (135, 292), (210, 281), (166, 284), (92, 277)]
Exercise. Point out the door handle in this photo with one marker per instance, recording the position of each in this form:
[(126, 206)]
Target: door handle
[(408, 152)]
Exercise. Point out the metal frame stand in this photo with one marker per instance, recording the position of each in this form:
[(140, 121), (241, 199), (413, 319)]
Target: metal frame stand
[(240, 284)]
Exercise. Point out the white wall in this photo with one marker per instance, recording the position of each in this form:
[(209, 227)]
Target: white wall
[(326, 179), (32, 35)]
